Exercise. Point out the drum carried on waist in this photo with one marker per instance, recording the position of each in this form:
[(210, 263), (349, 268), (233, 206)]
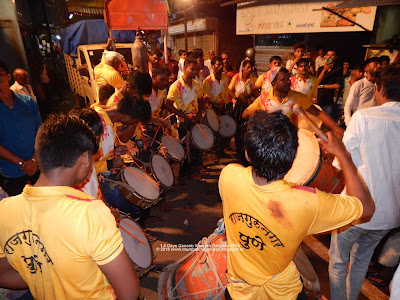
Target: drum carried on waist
[(202, 137), (310, 169), (139, 188), (228, 126), (136, 245), (211, 120)]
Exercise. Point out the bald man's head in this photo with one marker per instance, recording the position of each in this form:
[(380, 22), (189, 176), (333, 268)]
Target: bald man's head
[(21, 76)]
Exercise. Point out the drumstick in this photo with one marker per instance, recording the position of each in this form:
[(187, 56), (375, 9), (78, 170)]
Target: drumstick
[(298, 111), (138, 230), (120, 226), (148, 179), (201, 130), (151, 138), (169, 116), (173, 146), (155, 135)]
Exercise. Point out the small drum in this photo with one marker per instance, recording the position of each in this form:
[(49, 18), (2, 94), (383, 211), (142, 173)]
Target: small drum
[(175, 150), (199, 275), (139, 188), (136, 245), (309, 169), (228, 126), (211, 120), (161, 171), (202, 137), (306, 270)]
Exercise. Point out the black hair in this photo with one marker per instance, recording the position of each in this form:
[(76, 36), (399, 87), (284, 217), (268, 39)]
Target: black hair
[(215, 59), (159, 70), (190, 60), (181, 51), (156, 52), (389, 79), (91, 117), (4, 67), (226, 52), (199, 50), (135, 107), (141, 81), (275, 57), (61, 140), (299, 45), (169, 49), (105, 92), (359, 68), (384, 58), (281, 70), (271, 142), (303, 60), (196, 54), (370, 60), (248, 61)]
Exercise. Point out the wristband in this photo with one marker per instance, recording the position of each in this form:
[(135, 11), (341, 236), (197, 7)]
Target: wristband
[(20, 162)]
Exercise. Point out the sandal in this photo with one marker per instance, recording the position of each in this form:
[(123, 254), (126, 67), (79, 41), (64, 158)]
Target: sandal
[(379, 280)]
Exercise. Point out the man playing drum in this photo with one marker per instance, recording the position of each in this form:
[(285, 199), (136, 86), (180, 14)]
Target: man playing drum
[(54, 237), (268, 218), (185, 93), (282, 98)]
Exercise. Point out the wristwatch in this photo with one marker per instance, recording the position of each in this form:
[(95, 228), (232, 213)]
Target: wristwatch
[(20, 162), (321, 86)]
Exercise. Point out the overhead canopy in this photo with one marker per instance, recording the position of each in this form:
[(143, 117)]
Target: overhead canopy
[(91, 32), (143, 14), (90, 7), (361, 3)]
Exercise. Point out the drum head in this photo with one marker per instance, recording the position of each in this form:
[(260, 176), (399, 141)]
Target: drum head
[(302, 123), (228, 126), (175, 149), (148, 189), (212, 119), (307, 159), (140, 254), (202, 136), (162, 170)]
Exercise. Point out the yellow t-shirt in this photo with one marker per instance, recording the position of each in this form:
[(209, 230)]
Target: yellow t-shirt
[(308, 87), (55, 237), (269, 103), (156, 101), (217, 90), (268, 223), (239, 86), (106, 74), (185, 97), (106, 149), (263, 83)]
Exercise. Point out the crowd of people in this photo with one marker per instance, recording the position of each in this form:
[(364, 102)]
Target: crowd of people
[(58, 227)]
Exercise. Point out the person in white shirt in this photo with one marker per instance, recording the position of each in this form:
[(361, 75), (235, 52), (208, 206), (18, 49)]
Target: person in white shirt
[(21, 84), (207, 63), (395, 285), (182, 56), (320, 61), (361, 93), (372, 138)]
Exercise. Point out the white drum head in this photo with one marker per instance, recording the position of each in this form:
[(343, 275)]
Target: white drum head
[(212, 119), (228, 126), (140, 254), (148, 189), (175, 149), (302, 123), (202, 136), (162, 170), (307, 159)]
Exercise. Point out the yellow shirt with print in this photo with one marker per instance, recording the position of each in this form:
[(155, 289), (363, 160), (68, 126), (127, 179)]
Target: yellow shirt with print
[(268, 223), (56, 238), (312, 80), (106, 74), (185, 97), (219, 94), (270, 103), (156, 101), (261, 83), (237, 81)]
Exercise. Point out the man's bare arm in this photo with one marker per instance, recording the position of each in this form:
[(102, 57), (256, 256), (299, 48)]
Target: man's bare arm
[(122, 276), (9, 278), (327, 120)]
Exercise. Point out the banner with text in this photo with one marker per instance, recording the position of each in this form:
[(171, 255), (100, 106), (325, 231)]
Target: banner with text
[(301, 18)]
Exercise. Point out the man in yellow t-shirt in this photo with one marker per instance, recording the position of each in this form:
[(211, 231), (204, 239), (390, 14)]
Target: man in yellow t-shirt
[(264, 81), (57, 237), (304, 82), (268, 218), (282, 98), (106, 71)]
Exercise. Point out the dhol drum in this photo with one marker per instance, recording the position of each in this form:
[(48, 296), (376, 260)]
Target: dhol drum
[(136, 245), (139, 188), (161, 171), (174, 149), (302, 123), (211, 120), (202, 137), (228, 126), (199, 275), (310, 169)]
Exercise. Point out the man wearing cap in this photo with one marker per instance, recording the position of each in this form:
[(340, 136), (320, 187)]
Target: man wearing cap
[(282, 98), (106, 71)]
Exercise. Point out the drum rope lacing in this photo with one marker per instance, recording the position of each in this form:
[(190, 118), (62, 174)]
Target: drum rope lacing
[(201, 256)]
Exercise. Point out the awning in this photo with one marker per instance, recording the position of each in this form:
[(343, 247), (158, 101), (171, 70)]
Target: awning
[(363, 3), (89, 7)]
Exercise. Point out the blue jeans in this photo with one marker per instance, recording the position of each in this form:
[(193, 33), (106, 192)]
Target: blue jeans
[(356, 245), (331, 110)]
